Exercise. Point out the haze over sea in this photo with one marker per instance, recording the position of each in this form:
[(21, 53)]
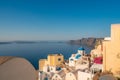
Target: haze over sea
[(35, 51)]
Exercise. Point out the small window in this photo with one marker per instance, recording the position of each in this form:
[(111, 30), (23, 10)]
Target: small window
[(56, 76), (71, 59), (59, 59)]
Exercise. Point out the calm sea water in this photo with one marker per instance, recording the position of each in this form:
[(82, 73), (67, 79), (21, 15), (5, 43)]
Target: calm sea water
[(35, 51)]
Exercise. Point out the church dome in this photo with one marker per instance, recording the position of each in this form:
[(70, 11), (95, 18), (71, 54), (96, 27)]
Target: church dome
[(77, 56), (81, 48)]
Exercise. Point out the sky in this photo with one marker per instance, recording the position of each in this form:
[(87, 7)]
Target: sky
[(57, 19)]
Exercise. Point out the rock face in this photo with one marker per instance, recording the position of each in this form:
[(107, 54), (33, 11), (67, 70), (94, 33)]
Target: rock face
[(13, 68), (89, 42)]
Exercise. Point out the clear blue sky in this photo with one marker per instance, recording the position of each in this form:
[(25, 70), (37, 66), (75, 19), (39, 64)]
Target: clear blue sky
[(57, 19)]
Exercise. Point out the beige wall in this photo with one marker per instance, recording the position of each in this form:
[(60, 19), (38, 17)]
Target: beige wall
[(115, 33), (111, 60), (53, 59), (57, 61), (41, 64)]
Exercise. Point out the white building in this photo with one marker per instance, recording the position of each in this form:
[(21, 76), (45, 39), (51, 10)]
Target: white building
[(107, 38), (74, 57), (84, 75), (72, 60), (83, 63), (96, 67), (82, 66)]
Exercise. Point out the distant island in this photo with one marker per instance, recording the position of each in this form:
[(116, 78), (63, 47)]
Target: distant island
[(28, 42), (89, 42), (5, 42), (10, 42)]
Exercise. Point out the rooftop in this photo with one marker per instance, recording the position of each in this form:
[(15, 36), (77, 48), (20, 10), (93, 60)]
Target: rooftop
[(54, 54)]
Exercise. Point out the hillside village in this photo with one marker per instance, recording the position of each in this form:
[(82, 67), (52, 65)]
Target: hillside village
[(97, 65), (82, 64)]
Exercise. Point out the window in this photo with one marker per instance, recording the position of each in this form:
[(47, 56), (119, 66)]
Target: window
[(56, 76), (58, 68), (45, 78), (71, 59), (59, 59)]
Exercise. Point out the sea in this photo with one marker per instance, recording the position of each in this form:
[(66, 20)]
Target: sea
[(33, 52)]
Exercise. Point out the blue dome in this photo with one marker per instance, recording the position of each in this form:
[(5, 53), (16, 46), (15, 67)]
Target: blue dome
[(77, 56), (81, 48)]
